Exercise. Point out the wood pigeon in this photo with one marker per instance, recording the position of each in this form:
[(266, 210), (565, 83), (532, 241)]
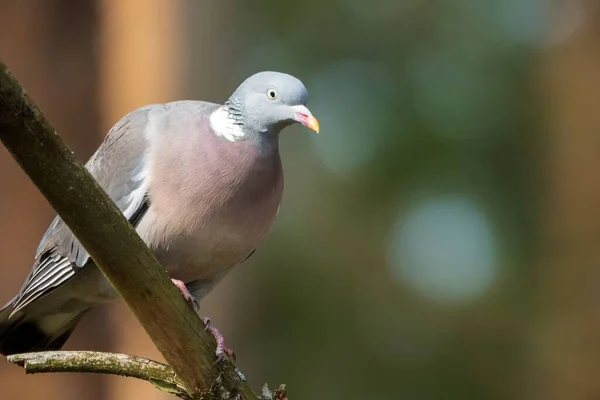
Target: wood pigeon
[(202, 184)]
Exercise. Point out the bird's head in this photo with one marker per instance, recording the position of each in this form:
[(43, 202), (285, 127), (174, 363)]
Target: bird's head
[(267, 102)]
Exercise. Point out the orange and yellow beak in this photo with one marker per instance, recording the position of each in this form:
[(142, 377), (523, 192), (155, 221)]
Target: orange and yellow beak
[(312, 123), (305, 117)]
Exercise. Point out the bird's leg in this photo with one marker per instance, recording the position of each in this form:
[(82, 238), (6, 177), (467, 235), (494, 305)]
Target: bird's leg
[(222, 350), (186, 294)]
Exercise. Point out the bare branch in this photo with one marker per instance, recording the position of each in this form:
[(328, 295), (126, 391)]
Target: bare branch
[(160, 375)]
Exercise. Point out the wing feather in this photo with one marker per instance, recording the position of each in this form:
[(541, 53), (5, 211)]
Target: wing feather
[(120, 165)]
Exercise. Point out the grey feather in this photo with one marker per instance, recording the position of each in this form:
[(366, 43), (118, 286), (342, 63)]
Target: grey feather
[(119, 166)]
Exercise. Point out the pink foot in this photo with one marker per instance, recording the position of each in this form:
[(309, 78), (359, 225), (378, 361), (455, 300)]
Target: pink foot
[(222, 350), (186, 294)]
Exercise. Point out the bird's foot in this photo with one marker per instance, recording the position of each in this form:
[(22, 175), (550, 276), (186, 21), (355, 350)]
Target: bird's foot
[(222, 350), (186, 294)]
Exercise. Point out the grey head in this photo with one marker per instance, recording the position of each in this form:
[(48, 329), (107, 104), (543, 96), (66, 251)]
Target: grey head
[(267, 102)]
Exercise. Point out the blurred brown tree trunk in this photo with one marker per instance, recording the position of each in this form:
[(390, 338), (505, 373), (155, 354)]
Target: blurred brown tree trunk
[(566, 339), (50, 45)]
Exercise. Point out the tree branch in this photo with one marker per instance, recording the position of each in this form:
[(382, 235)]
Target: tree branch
[(115, 247), (158, 374)]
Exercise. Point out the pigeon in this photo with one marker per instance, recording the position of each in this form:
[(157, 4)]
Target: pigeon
[(201, 183)]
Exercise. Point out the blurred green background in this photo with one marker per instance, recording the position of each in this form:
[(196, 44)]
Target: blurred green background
[(438, 240)]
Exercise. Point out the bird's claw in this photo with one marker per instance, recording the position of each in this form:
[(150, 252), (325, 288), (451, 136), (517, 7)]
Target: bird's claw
[(186, 294), (222, 351)]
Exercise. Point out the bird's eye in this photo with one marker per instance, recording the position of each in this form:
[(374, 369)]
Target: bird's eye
[(272, 94)]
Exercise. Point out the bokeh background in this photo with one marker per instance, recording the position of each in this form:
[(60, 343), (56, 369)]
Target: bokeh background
[(439, 240)]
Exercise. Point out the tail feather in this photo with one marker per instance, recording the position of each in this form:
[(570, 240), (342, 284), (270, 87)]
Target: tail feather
[(22, 334)]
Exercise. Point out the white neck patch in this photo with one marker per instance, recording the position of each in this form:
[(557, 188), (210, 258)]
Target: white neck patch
[(224, 126)]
